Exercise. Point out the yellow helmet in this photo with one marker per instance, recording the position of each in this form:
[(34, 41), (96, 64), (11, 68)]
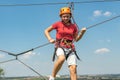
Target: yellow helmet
[(65, 10)]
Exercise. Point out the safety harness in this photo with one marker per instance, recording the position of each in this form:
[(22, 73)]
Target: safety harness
[(64, 43)]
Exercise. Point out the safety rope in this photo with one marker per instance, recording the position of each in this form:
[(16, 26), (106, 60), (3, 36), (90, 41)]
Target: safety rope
[(7, 52), (103, 22), (44, 78), (71, 5), (97, 1), (26, 50), (80, 2), (7, 61), (34, 48)]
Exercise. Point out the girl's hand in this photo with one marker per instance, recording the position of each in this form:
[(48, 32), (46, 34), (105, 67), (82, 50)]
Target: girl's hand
[(51, 40), (83, 29)]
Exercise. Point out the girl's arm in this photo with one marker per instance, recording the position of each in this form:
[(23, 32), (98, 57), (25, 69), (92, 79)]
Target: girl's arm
[(47, 34), (80, 35)]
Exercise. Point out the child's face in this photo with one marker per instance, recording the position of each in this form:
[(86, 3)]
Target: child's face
[(65, 18)]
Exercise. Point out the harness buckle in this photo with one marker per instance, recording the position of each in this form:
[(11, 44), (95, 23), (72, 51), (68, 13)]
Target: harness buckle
[(67, 42)]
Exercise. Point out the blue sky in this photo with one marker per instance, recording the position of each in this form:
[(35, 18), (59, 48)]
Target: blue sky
[(22, 28)]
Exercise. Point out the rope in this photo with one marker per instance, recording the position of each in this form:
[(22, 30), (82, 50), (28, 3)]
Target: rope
[(71, 5), (42, 45), (7, 61), (5, 5), (26, 50), (34, 48), (8, 52), (32, 69), (80, 2), (24, 65), (103, 22), (96, 1)]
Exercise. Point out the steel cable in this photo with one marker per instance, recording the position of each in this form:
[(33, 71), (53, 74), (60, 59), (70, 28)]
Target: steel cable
[(34, 48), (80, 2), (103, 22), (7, 61), (8, 52), (26, 50), (32, 69)]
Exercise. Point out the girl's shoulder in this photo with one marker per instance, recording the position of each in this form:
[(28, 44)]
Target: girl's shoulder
[(58, 22)]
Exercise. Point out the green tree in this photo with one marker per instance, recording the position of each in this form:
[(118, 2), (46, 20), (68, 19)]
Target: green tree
[(1, 72)]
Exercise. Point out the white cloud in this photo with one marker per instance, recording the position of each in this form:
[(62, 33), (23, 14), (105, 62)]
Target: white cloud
[(97, 13), (107, 13), (102, 51), (28, 55)]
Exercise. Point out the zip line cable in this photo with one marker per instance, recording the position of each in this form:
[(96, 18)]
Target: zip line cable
[(26, 66), (71, 5), (7, 61), (94, 1), (7, 52), (103, 22), (34, 48), (26, 50), (32, 69), (16, 55)]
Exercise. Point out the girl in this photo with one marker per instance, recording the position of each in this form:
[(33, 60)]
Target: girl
[(66, 34)]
